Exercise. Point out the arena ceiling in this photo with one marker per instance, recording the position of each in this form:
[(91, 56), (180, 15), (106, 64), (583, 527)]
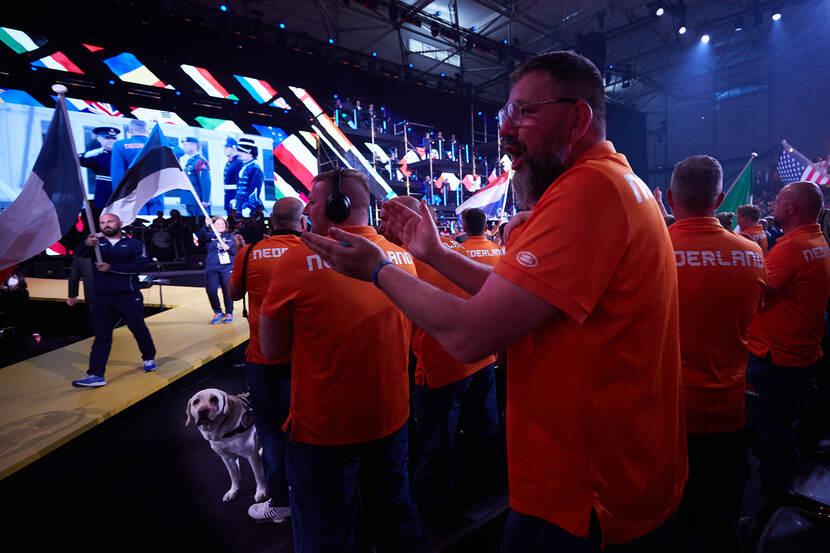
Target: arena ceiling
[(476, 42)]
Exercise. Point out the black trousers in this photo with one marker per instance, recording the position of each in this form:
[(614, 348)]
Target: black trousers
[(106, 311)]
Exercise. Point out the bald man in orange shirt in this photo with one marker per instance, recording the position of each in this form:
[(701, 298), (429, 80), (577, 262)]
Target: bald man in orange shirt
[(784, 338)]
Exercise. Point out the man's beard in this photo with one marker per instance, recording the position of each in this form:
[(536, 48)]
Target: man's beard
[(110, 231), (536, 175)]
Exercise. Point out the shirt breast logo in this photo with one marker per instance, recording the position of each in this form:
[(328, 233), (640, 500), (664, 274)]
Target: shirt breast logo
[(527, 259)]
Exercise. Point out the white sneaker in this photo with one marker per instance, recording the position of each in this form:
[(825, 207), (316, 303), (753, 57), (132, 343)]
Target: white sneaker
[(263, 512)]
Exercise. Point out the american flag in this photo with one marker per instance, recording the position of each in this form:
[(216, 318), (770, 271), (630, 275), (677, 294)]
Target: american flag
[(793, 166)]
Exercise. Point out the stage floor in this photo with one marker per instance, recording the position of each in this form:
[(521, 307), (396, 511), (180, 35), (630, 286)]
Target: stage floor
[(39, 408)]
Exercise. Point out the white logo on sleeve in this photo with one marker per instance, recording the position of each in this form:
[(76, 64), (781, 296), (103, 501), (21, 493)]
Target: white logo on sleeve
[(527, 259)]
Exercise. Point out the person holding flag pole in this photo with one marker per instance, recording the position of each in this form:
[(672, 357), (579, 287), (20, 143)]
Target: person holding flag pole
[(154, 171)]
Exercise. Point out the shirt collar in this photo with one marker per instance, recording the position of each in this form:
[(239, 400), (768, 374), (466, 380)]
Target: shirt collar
[(810, 228), (600, 150), (283, 232), (364, 231), (697, 222)]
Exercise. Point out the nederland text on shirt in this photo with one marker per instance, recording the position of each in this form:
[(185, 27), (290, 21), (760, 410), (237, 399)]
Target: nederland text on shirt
[(816, 253), (715, 258), (269, 252), (315, 263), (485, 253)]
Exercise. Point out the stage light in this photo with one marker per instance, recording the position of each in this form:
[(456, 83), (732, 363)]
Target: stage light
[(438, 13), (479, 113), (681, 30), (223, 7), (374, 54), (473, 28), (776, 16), (443, 75), (505, 41), (336, 96), (411, 66), (705, 39), (33, 68), (331, 41), (111, 81), (739, 25), (178, 93), (660, 11), (282, 25)]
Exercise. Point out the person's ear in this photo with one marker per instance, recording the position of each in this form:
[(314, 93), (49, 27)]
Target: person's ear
[(581, 116)]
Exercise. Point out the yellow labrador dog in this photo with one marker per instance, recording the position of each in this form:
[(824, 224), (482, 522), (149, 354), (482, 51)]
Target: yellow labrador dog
[(226, 423)]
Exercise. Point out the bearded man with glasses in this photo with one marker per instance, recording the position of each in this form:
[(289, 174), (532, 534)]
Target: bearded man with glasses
[(586, 295)]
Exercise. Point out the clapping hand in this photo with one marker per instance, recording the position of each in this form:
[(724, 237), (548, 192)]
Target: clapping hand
[(346, 253), (416, 231)]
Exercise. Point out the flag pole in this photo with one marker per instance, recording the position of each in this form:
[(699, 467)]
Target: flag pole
[(752, 156), (61, 91)]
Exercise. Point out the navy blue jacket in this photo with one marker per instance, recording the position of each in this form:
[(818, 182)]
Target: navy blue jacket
[(231, 174), (249, 186), (208, 238), (99, 161), (198, 171), (127, 258)]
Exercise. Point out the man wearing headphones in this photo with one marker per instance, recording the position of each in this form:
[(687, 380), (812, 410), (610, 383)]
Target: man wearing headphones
[(349, 348), (268, 381)]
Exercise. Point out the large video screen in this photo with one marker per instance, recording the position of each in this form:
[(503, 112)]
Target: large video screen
[(23, 127)]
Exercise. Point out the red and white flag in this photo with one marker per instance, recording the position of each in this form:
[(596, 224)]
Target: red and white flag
[(298, 159), (817, 173)]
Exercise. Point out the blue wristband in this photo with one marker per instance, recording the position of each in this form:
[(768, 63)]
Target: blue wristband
[(377, 270)]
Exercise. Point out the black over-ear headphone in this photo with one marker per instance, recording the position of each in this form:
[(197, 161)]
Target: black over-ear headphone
[(338, 205)]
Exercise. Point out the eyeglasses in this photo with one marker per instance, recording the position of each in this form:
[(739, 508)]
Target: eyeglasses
[(515, 109)]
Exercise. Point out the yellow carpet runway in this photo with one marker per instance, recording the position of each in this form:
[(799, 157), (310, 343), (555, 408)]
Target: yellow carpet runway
[(39, 408)]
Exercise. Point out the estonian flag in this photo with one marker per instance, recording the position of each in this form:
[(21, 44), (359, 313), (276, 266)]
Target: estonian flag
[(50, 200), (154, 171)]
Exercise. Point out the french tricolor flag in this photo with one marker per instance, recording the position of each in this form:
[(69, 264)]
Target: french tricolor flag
[(50, 200), (489, 199)]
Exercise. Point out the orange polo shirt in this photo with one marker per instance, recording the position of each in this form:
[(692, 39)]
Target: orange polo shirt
[(594, 411), (758, 235), (350, 349), (720, 280), (480, 249), (435, 366), (798, 269), (261, 261)]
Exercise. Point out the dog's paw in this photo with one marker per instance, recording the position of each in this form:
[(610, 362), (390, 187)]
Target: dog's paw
[(261, 495), (230, 494)]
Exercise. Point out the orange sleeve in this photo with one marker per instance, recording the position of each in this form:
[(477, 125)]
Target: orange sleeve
[(569, 249), (284, 290), (781, 267), (236, 272)]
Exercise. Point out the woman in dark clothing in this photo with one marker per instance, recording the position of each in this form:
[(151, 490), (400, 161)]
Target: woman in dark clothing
[(218, 264)]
